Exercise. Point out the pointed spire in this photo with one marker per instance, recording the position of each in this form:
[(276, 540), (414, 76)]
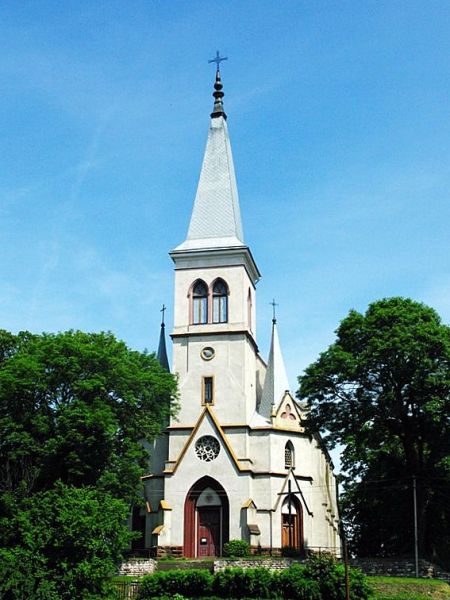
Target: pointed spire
[(276, 381), (216, 217), (162, 352)]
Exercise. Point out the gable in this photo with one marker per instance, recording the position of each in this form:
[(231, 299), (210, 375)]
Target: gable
[(207, 415), (287, 415)]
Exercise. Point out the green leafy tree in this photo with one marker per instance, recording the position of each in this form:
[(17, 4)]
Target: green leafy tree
[(74, 409), (63, 544), (382, 391)]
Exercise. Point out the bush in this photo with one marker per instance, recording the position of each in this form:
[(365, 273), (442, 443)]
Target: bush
[(360, 588), (330, 576), (293, 584), (262, 583), (236, 548), (231, 583), (191, 583), (322, 578)]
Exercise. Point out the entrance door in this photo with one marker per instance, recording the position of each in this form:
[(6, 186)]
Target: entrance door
[(208, 531), (289, 531), (291, 524), (206, 519)]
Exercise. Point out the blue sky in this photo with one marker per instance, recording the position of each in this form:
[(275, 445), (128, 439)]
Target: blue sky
[(340, 128)]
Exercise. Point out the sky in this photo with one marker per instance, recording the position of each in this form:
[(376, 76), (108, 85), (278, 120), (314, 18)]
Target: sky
[(338, 113)]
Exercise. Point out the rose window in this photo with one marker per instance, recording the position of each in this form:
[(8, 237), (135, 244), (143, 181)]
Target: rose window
[(207, 448)]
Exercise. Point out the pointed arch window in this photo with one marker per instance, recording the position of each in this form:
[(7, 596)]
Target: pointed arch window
[(200, 303), (289, 456), (220, 301)]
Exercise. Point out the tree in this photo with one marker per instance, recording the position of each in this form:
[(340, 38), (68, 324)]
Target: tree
[(74, 409), (382, 390), (63, 544)]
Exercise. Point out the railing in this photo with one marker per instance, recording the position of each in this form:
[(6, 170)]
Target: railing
[(126, 590)]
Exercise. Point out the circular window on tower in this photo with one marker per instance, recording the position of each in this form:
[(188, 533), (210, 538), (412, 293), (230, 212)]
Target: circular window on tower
[(207, 448), (207, 353)]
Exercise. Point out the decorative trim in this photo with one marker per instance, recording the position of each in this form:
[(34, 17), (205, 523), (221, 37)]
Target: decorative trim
[(253, 529), (207, 411), (213, 331), (158, 530), (164, 505), (205, 351)]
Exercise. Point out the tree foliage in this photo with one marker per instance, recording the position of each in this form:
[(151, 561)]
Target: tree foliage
[(382, 391), (74, 408)]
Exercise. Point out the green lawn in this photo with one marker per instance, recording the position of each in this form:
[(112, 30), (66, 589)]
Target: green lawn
[(409, 588)]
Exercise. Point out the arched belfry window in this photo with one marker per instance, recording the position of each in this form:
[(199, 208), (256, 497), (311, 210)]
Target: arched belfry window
[(220, 301), (289, 456), (199, 303)]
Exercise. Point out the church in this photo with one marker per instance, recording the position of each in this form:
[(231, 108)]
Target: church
[(235, 462)]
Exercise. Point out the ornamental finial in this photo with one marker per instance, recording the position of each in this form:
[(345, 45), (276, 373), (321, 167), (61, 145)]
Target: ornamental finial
[(274, 316), (218, 94)]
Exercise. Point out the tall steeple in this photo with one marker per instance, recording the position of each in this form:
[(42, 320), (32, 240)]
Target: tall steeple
[(216, 217), (276, 381)]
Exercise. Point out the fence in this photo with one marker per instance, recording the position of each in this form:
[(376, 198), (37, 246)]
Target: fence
[(126, 590)]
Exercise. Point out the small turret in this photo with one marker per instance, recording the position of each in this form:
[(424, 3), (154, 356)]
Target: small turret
[(161, 355), (276, 381)]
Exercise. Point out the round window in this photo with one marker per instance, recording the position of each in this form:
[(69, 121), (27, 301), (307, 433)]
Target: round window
[(207, 353), (207, 448)]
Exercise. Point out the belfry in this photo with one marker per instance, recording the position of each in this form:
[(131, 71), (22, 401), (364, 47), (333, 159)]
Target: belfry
[(235, 462)]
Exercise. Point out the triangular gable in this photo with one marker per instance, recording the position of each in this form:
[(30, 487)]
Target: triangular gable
[(207, 412), (287, 415), (297, 492)]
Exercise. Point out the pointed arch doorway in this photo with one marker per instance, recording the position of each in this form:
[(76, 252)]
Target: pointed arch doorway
[(206, 519), (292, 523)]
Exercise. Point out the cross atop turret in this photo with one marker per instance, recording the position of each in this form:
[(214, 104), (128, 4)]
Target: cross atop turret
[(218, 59)]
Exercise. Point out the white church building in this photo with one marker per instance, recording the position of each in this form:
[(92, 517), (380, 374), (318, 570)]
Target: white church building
[(235, 462)]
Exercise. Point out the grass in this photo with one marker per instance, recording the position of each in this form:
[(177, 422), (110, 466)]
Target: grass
[(409, 588)]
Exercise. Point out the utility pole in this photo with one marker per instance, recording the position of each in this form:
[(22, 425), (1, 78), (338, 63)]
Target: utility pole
[(290, 513), (416, 541), (347, 579)]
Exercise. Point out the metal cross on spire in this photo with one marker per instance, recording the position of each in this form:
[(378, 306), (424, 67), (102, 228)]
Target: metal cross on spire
[(218, 59), (163, 310), (274, 316)]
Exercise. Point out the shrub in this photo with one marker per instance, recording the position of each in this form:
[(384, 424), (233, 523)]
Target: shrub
[(330, 576), (191, 583), (261, 583), (293, 584), (360, 588), (231, 583), (245, 583), (236, 548)]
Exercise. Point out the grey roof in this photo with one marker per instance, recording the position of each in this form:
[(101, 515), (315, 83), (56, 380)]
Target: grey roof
[(161, 355), (216, 218), (276, 381)]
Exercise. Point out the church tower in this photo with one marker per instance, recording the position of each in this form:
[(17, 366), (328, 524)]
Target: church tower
[(235, 462), (214, 347)]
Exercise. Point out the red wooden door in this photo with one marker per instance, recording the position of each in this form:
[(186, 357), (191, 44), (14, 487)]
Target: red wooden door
[(208, 532)]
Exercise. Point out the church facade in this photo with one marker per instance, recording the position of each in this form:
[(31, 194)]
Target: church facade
[(235, 462)]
